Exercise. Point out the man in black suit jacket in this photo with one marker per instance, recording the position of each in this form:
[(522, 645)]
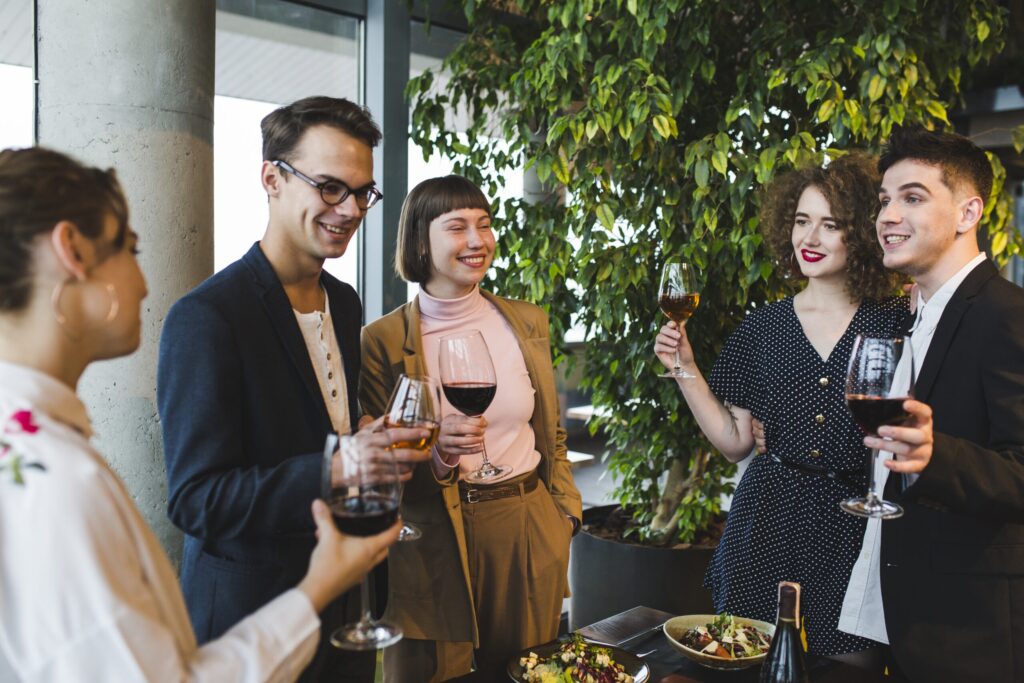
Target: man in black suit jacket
[(952, 568), (246, 397)]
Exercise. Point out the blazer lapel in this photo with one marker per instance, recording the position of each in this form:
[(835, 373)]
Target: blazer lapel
[(282, 319), (947, 327), (413, 360)]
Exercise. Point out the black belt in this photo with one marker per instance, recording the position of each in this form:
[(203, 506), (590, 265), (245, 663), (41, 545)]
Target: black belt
[(848, 477), (476, 493)]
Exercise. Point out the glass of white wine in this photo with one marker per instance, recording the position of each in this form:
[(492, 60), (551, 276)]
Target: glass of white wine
[(678, 297)]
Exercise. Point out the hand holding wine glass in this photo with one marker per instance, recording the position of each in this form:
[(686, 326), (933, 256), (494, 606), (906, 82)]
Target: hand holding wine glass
[(469, 384), (339, 561), (880, 379), (360, 483), (678, 296), (415, 405)]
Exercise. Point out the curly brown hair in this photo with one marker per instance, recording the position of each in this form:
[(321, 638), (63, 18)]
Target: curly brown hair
[(850, 185)]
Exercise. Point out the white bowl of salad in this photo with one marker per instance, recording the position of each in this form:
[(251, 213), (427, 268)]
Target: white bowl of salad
[(720, 641)]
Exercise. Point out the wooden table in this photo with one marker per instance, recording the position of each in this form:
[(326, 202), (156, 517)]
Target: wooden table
[(638, 630)]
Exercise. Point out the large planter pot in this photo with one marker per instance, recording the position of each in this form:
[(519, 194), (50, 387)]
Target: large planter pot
[(608, 577)]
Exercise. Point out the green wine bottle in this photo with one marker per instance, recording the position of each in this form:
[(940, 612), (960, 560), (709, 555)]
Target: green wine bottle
[(785, 661)]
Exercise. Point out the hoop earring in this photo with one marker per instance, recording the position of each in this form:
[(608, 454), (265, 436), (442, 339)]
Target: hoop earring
[(62, 320)]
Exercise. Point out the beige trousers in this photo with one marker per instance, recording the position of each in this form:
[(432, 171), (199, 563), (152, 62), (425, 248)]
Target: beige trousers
[(518, 551)]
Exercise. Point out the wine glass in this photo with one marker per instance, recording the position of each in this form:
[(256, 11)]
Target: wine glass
[(360, 484), (880, 379), (678, 298), (415, 403), (467, 378)]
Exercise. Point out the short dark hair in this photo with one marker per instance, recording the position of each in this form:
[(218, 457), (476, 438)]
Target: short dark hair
[(427, 201), (283, 128), (961, 161), (38, 189), (850, 185)]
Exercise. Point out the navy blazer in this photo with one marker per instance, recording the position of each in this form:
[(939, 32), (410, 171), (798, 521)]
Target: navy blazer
[(952, 567), (244, 425)]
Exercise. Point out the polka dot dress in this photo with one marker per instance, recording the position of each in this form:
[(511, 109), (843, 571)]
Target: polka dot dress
[(785, 524)]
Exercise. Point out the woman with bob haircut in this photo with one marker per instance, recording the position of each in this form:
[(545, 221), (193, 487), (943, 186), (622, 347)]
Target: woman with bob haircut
[(786, 366), (488, 576), (88, 592)]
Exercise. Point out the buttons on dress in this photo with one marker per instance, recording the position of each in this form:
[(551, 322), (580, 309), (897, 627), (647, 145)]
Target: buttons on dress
[(334, 393), (815, 453), (819, 418), (823, 381)]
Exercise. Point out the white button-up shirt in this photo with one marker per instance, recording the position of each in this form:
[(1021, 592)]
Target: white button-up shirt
[(86, 591), (863, 613)]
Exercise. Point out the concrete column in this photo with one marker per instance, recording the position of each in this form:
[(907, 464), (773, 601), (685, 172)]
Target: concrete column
[(129, 84)]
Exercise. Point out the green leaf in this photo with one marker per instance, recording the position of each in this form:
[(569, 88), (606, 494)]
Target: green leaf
[(777, 78), (826, 110), (983, 31), (882, 44), (1018, 139), (702, 173), (937, 110), (999, 242), (877, 88), (605, 215), (720, 161), (661, 124)]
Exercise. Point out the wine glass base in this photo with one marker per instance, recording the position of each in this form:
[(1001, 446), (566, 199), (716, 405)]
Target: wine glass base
[(488, 474), (409, 532), (874, 508), (682, 374), (366, 635)]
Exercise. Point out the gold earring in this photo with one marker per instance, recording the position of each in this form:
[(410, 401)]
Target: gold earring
[(62, 320)]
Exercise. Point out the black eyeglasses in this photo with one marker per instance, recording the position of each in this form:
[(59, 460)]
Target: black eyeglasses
[(334, 192)]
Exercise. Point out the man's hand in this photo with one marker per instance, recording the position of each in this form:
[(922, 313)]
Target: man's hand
[(375, 435), (911, 443), (757, 427)]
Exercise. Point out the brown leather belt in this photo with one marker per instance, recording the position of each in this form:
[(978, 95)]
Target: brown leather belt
[(478, 493)]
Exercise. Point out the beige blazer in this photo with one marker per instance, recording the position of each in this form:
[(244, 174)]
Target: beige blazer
[(429, 593)]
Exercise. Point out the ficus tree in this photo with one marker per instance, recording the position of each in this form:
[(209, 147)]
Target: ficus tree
[(653, 124)]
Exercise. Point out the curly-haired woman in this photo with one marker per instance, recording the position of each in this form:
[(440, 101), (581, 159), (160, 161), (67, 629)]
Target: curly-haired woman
[(785, 366)]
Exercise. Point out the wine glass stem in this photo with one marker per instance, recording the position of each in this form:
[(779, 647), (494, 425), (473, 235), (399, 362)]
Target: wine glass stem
[(872, 497), (678, 369), (364, 597), (485, 464)]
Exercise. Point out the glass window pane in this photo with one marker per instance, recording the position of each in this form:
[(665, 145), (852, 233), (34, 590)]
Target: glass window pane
[(18, 110), (269, 53), (427, 51)]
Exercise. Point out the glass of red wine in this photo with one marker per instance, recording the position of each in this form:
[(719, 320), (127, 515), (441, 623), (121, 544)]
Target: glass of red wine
[(360, 484), (678, 298), (879, 380), (415, 403), (469, 384)]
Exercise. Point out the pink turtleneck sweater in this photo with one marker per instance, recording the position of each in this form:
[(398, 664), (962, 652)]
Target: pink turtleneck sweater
[(509, 438)]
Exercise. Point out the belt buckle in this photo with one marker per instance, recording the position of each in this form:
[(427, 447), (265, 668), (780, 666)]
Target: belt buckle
[(472, 495)]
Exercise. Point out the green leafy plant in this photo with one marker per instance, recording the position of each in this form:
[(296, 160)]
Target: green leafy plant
[(652, 124)]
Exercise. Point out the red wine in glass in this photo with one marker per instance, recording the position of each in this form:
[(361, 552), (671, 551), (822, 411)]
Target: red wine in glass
[(871, 412), (359, 482), (469, 384), (367, 515), (875, 397), (470, 398)]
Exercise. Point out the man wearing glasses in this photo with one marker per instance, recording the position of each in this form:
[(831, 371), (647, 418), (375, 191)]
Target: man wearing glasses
[(257, 365)]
